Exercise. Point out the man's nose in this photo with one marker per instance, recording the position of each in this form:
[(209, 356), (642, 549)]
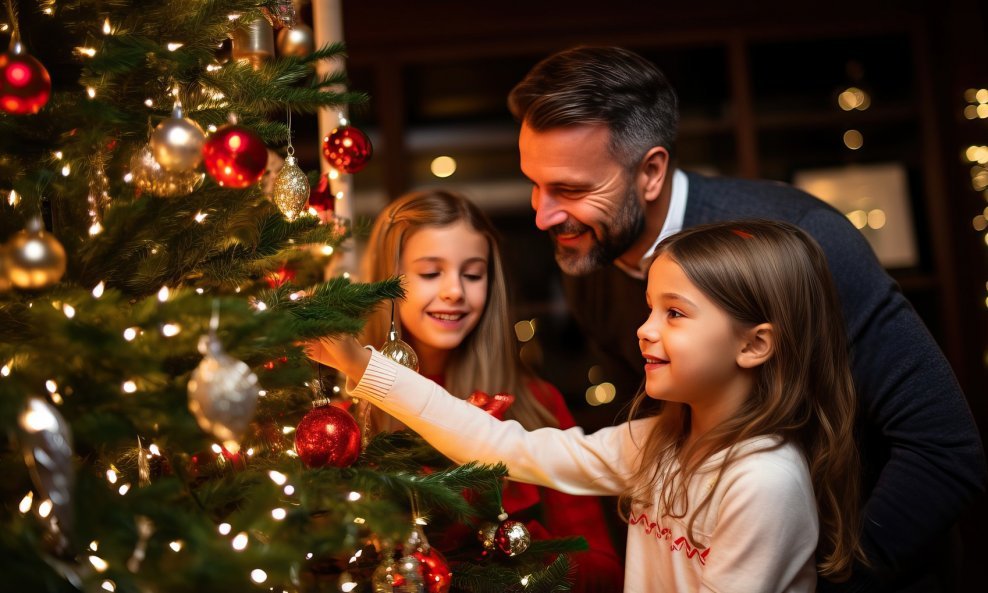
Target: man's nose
[(547, 211)]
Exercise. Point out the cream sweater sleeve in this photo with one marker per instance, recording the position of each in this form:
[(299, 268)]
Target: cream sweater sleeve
[(566, 460)]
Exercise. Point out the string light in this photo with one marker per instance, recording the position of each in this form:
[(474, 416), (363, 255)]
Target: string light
[(176, 545), (278, 477), (26, 503), (51, 386), (98, 289), (129, 387), (98, 563), (13, 198), (107, 29), (130, 333), (279, 514), (240, 541), (224, 528), (170, 329), (258, 576), (163, 294), (44, 509)]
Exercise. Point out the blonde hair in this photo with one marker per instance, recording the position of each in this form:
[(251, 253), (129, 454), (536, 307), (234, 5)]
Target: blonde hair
[(487, 359), (770, 272)]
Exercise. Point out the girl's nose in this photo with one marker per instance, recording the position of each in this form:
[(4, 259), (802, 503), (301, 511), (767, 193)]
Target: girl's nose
[(452, 290)]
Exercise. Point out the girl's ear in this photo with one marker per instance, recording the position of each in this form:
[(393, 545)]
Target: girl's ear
[(757, 346)]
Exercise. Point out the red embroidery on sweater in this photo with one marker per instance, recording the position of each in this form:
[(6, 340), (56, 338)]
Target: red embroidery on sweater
[(691, 552), (664, 533)]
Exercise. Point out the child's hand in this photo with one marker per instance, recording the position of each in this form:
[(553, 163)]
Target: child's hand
[(343, 353)]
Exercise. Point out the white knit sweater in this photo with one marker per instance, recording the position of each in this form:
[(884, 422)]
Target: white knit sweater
[(757, 535)]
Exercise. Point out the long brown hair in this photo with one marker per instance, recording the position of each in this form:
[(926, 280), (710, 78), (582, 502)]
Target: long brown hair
[(487, 359), (770, 272)]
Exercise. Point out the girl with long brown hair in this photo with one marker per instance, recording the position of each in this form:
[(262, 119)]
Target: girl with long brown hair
[(746, 479)]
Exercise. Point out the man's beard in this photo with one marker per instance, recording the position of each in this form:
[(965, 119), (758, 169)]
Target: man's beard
[(616, 237)]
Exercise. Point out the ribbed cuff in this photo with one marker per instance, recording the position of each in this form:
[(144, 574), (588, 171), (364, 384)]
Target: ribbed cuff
[(379, 377)]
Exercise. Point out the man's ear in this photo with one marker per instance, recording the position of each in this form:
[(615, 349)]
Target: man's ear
[(653, 171), (757, 346)]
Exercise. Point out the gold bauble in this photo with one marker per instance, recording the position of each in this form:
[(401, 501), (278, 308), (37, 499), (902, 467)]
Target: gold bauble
[(291, 189), (400, 351), (298, 41), (177, 143), (34, 258)]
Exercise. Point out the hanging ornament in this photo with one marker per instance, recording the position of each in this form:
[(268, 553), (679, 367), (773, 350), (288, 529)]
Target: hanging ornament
[(298, 41), (512, 538), (397, 349), (433, 568), (347, 149), (34, 258), (222, 391), (327, 435), (46, 443), (291, 186), (147, 175), (487, 534), (407, 576), (496, 405), (235, 156), (253, 43), (321, 197), (24, 83), (177, 142), (5, 282)]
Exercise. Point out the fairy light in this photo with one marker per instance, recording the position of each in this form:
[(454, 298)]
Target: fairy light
[(525, 579), (174, 45), (279, 513), (26, 503), (262, 393), (13, 198), (163, 294), (334, 174), (69, 310), (98, 563), (149, 102), (287, 429), (240, 541), (109, 586), (201, 216), (94, 545), (129, 387), (258, 576), (278, 477), (85, 51), (111, 475), (170, 329), (130, 333), (421, 521), (327, 250), (51, 386), (288, 489), (224, 528), (66, 170), (5, 369), (216, 448), (129, 177), (124, 489), (91, 92), (176, 546), (107, 29), (348, 586), (359, 520), (44, 509), (98, 289)]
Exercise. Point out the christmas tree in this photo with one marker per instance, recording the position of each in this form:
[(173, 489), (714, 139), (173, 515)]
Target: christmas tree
[(159, 412)]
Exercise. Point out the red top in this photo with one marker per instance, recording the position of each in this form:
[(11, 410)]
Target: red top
[(598, 569)]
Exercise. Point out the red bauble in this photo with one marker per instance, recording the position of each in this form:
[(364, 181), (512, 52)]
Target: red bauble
[(327, 435), (435, 571), (235, 156), (433, 568), (24, 84), (347, 149), (321, 196)]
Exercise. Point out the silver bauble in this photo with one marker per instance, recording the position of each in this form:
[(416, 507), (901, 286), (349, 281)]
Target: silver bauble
[(298, 41), (222, 394), (512, 538), (291, 189), (46, 442), (177, 143), (410, 569), (149, 176), (34, 258)]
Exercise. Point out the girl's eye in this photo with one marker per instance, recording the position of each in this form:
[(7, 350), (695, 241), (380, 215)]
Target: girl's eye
[(428, 275), (674, 313), (474, 277)]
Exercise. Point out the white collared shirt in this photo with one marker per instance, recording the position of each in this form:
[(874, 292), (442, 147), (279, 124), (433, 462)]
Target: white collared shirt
[(672, 225)]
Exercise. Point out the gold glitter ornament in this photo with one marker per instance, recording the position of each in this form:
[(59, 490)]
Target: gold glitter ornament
[(291, 189), (397, 349), (223, 393), (34, 258), (148, 175)]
